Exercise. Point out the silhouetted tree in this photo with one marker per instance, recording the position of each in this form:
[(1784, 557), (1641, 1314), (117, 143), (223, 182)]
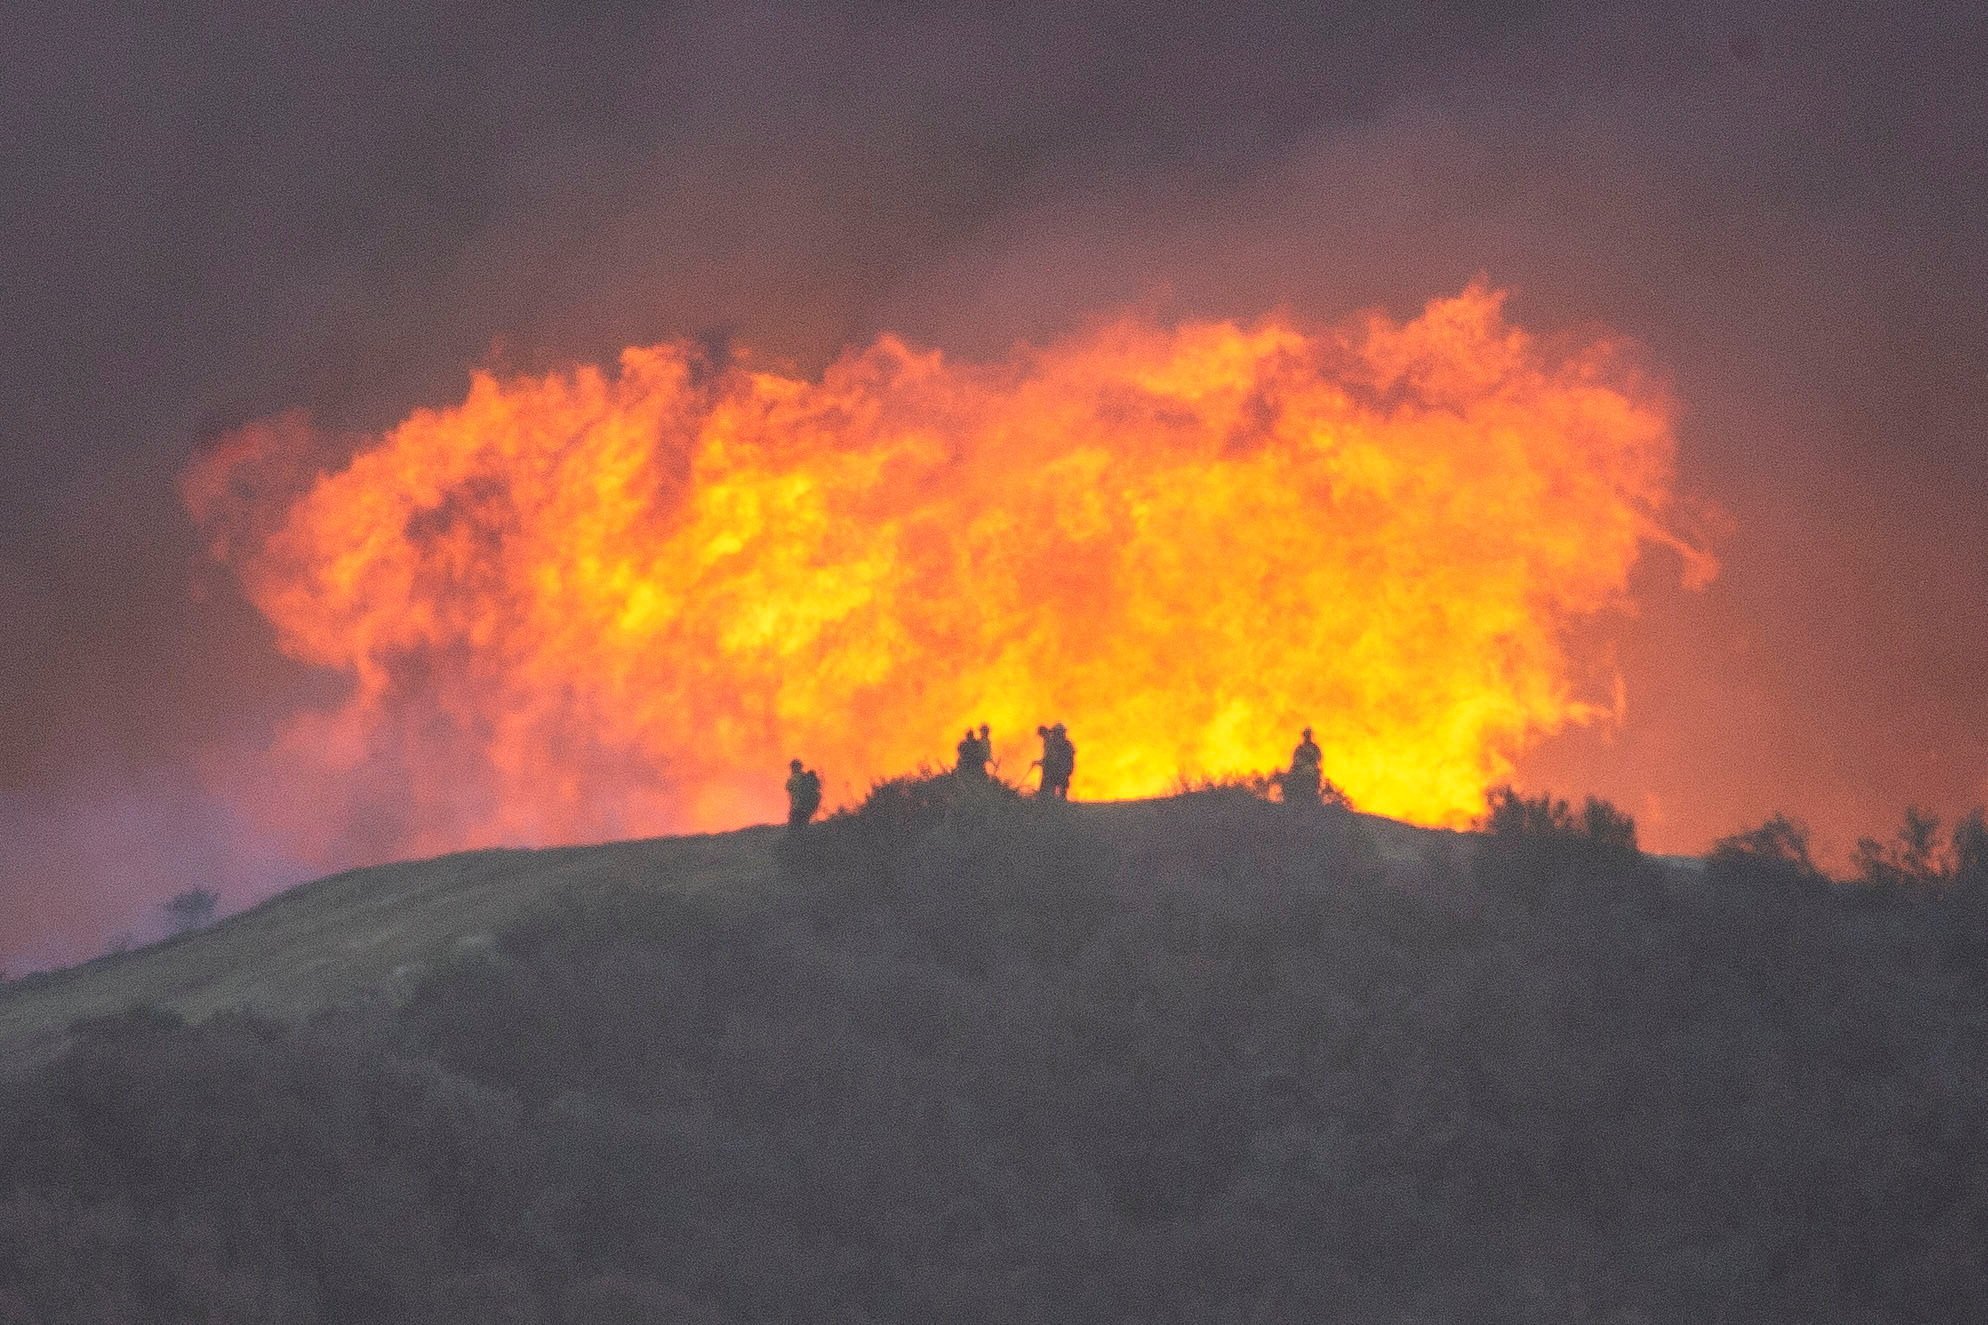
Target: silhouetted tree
[(1970, 853), (1913, 860), (1778, 850), (191, 910), (1510, 814), (1607, 826)]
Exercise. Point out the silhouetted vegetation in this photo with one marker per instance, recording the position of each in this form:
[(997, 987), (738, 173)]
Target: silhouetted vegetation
[(977, 1057), (1781, 844), (1513, 815), (191, 910), (1262, 786), (909, 805), (1919, 858)]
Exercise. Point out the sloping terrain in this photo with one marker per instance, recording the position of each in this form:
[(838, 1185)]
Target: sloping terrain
[(372, 933), (965, 1057), (365, 933)]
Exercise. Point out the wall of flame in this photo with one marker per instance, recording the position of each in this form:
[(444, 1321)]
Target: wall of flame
[(594, 603)]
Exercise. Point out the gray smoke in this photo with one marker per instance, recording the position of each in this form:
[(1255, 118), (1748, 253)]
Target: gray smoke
[(215, 214)]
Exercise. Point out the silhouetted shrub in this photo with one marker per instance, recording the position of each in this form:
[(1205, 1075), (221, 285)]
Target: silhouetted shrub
[(1258, 786), (191, 910), (1915, 860), (1608, 827), (915, 799), (1538, 849), (1509, 814), (1970, 865), (1246, 786), (1775, 853), (904, 806)]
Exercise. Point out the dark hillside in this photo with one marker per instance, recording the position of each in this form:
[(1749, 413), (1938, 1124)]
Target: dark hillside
[(1202, 1060)]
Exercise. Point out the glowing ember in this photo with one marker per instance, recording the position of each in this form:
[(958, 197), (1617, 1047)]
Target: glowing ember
[(594, 604)]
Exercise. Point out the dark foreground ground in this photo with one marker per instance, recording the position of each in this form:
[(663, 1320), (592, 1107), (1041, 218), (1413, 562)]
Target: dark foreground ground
[(1201, 1060)]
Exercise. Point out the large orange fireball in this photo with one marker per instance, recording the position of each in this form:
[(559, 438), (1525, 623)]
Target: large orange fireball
[(600, 603)]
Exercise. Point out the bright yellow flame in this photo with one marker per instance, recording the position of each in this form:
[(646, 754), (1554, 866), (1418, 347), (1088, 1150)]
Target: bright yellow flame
[(587, 604)]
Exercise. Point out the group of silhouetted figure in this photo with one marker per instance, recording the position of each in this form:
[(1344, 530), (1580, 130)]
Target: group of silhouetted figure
[(1058, 762), (975, 761)]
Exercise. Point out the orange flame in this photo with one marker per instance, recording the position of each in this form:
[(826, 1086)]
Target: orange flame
[(590, 604)]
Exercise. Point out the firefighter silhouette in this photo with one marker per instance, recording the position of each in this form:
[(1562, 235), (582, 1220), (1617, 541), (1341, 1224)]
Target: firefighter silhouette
[(1058, 762), (975, 752), (1301, 781), (803, 793)]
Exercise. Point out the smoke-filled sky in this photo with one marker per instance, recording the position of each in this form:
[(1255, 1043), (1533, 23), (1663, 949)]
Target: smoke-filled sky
[(217, 214)]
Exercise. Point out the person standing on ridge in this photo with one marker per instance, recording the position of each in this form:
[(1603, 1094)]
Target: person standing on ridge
[(1301, 783), (1059, 759), (803, 794), (972, 756), (1066, 760)]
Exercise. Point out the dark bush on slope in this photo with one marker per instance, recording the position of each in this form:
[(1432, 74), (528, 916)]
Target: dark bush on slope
[(1777, 852), (975, 1058), (1512, 816)]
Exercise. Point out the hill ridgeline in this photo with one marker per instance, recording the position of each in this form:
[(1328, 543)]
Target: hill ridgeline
[(969, 1057)]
